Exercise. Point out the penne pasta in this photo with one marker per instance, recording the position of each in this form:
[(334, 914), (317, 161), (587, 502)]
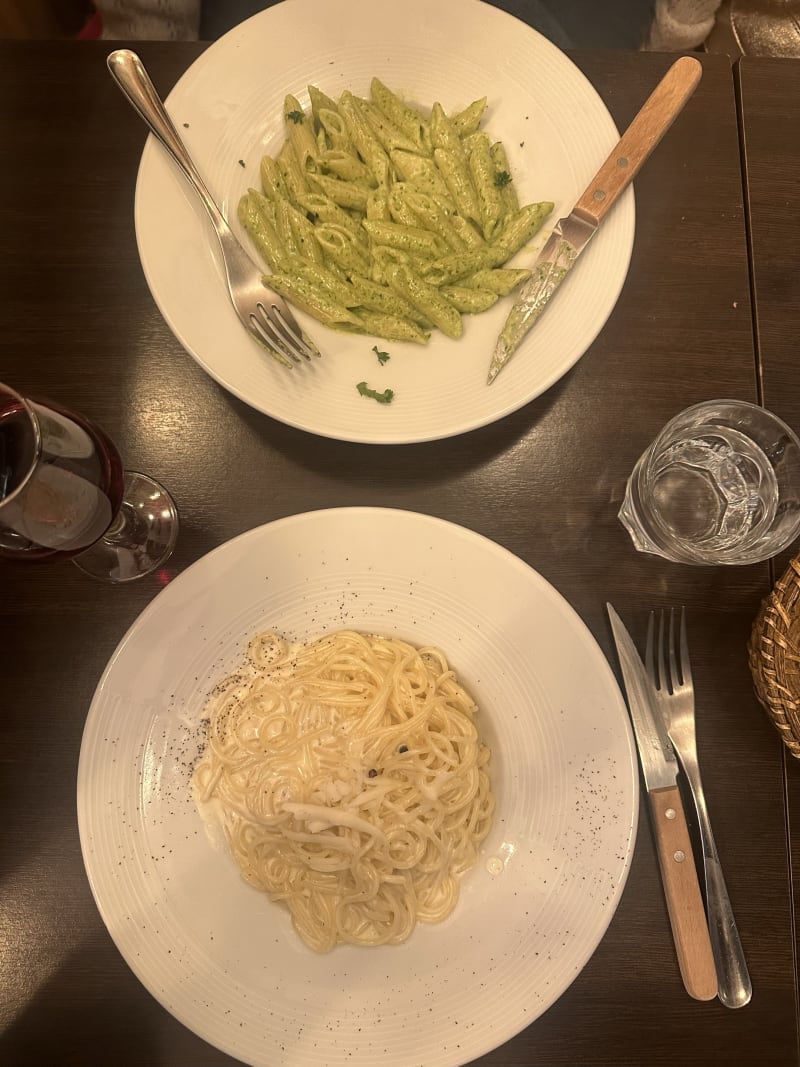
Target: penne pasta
[(388, 135), (405, 118), (304, 235), (470, 301), (377, 219), (262, 232), (344, 165), (482, 171), (498, 280), (283, 225), (272, 181), (353, 195), (467, 121), (378, 206), (412, 239), (294, 179), (456, 177), (460, 265), (467, 232), (520, 228), (433, 217), (335, 129), (338, 289), (390, 327), (382, 298), (319, 101), (443, 133), (399, 210), (420, 171), (426, 299), (313, 299), (321, 208), (503, 179), (339, 245), (300, 131), (369, 147)]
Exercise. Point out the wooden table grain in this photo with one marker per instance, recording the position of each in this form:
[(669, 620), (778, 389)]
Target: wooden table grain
[(769, 102), (546, 483)]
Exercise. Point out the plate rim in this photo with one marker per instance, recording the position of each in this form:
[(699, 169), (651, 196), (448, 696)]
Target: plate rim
[(400, 437), (424, 519)]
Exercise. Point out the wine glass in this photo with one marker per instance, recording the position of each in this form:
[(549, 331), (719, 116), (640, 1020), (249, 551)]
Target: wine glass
[(64, 494)]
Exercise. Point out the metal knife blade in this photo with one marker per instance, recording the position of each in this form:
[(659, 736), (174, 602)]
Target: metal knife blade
[(572, 233), (674, 847), (657, 756)]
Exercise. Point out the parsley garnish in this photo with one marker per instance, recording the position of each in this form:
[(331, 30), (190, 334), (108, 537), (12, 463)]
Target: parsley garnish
[(295, 116), (186, 125), (385, 397), (382, 356), (242, 163), (502, 178)]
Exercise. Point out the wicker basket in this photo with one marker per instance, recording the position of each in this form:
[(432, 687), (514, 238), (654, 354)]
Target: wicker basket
[(774, 651)]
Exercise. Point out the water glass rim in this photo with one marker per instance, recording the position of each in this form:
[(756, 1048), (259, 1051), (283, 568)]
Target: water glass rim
[(37, 439), (736, 402)]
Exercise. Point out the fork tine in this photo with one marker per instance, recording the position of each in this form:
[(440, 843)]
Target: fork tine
[(260, 333), (281, 316), (266, 323), (686, 664), (649, 655), (291, 328), (662, 667), (674, 669), (273, 312)]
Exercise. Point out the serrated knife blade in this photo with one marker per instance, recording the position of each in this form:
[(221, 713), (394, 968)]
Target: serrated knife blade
[(572, 233)]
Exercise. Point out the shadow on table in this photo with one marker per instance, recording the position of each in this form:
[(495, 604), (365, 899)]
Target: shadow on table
[(95, 1012), (454, 456)]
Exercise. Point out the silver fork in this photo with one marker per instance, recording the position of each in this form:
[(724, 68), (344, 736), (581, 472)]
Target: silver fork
[(670, 672), (263, 313)]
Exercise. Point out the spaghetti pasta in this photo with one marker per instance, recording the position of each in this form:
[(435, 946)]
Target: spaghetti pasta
[(351, 782)]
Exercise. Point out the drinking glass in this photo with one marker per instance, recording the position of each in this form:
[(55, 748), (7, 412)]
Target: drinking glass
[(64, 494), (720, 484)]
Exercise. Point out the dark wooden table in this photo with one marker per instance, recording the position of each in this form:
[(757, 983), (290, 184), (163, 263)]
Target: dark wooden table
[(769, 104), (681, 332)]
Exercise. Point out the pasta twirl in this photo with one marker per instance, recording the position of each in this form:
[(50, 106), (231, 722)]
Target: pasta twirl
[(361, 187), (351, 782)]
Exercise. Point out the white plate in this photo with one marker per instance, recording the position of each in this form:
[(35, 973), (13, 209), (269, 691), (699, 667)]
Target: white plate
[(224, 959), (556, 130)]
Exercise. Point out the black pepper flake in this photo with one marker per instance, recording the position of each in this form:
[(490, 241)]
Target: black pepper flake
[(372, 773), (403, 748)]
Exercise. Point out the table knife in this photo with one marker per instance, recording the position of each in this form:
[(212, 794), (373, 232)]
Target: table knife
[(675, 856), (571, 234)]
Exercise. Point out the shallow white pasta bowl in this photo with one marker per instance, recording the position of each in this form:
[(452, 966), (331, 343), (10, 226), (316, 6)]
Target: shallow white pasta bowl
[(224, 959), (228, 108)]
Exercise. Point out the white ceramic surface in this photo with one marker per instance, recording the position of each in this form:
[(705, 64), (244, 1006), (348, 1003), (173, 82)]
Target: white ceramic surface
[(224, 959), (228, 107)]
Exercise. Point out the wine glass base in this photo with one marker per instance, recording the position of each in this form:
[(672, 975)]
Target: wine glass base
[(140, 539)]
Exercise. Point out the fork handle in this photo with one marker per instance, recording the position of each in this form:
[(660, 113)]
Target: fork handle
[(129, 73), (735, 986), (682, 891)]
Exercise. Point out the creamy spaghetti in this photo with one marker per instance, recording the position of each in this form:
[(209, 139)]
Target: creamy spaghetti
[(351, 783)]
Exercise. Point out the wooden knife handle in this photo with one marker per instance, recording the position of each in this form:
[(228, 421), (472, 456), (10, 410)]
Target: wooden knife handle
[(658, 113), (682, 890)]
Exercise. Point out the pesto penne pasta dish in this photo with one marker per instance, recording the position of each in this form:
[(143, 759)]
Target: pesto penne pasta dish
[(380, 218)]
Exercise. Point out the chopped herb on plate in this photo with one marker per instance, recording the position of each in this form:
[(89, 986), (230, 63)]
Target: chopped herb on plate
[(382, 356), (295, 116), (502, 178), (385, 397)]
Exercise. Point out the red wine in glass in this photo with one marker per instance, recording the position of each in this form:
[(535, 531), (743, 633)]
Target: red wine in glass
[(64, 494)]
